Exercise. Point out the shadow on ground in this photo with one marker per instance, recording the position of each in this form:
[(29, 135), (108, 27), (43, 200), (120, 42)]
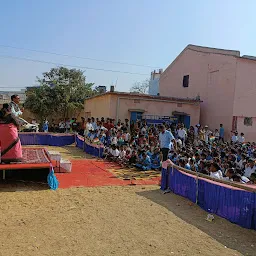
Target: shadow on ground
[(230, 235), (24, 180)]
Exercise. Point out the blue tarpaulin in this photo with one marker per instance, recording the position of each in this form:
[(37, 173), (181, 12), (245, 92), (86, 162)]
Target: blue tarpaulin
[(49, 139), (234, 204), (91, 149)]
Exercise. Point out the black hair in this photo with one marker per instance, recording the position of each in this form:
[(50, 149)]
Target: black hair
[(215, 165), (5, 106), (14, 96)]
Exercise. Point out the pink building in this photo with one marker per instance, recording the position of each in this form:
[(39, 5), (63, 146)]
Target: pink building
[(224, 81)]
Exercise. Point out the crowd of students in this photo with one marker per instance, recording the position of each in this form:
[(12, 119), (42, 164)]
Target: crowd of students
[(197, 148)]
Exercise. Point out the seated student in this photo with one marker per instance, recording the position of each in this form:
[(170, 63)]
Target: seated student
[(133, 158), (121, 153), (234, 138), (155, 159), (187, 165), (92, 135), (193, 165), (113, 153), (148, 152), (102, 139), (144, 163), (241, 179), (181, 162), (241, 138), (216, 135), (127, 157), (250, 168), (113, 138), (215, 171), (229, 175), (253, 178)]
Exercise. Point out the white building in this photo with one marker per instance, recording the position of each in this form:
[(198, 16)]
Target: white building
[(154, 82)]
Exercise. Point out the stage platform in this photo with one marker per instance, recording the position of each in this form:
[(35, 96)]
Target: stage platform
[(33, 158)]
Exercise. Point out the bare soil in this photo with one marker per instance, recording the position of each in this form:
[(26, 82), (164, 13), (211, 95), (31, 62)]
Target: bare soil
[(113, 221)]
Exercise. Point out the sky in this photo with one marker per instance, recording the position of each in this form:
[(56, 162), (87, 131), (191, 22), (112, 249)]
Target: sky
[(142, 32)]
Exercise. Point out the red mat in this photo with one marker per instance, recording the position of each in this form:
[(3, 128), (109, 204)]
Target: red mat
[(93, 173)]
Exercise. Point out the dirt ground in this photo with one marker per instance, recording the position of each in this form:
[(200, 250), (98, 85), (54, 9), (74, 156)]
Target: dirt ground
[(113, 221)]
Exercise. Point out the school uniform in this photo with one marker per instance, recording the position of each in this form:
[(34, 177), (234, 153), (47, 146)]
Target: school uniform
[(145, 164), (155, 161)]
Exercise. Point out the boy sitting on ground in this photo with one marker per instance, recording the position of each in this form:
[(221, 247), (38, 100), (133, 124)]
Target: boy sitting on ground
[(144, 163)]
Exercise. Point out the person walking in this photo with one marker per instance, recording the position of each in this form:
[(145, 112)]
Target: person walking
[(165, 139)]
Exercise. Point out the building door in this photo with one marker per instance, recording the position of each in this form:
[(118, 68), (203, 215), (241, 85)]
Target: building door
[(136, 116), (187, 121)]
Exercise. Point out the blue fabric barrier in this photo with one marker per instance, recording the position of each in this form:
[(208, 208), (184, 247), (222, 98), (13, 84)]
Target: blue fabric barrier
[(234, 204), (27, 139), (46, 139), (164, 179), (91, 149), (79, 142), (182, 184)]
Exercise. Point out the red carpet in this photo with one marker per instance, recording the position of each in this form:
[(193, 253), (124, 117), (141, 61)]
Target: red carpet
[(92, 173)]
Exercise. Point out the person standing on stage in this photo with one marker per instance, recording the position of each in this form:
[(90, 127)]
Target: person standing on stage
[(165, 139)]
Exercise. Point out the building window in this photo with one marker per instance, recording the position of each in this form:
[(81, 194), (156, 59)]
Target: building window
[(185, 81), (248, 121)]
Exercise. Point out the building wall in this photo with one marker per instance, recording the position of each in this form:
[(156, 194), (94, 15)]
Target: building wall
[(121, 110), (245, 95), (249, 131), (211, 76), (98, 106)]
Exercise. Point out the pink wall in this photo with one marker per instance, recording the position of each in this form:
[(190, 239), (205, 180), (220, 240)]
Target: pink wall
[(98, 106), (212, 76), (245, 95), (249, 131)]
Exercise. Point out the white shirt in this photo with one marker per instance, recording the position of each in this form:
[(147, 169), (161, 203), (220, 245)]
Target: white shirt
[(143, 130), (217, 175), (182, 133), (115, 152), (88, 127), (68, 124), (61, 125), (114, 140), (196, 130), (227, 179), (241, 139), (122, 153), (248, 171), (234, 138), (127, 136)]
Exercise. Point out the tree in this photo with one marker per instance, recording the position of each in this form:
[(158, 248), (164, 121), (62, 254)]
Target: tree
[(61, 91), (140, 87)]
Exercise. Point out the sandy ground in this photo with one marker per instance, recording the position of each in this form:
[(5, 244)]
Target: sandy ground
[(113, 221)]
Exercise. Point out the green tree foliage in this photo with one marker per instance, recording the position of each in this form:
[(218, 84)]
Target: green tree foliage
[(61, 91)]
